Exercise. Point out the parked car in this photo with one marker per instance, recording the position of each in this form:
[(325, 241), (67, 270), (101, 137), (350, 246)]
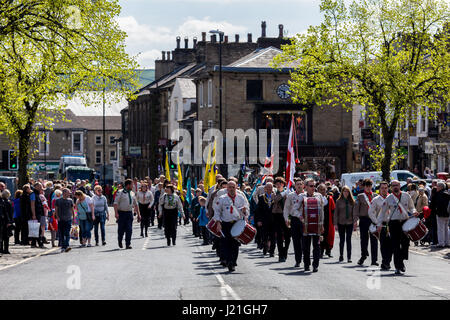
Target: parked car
[(350, 179), (308, 174)]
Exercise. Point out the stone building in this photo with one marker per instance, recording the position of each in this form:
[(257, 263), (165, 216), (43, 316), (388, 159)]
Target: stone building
[(255, 95), (147, 118)]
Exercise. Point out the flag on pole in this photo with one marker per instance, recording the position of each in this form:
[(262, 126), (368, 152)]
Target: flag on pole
[(188, 191), (206, 176), (212, 173), (290, 159), (180, 179), (167, 166), (268, 164)]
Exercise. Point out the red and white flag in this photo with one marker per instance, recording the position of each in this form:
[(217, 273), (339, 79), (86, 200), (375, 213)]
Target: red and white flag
[(290, 159), (268, 168)]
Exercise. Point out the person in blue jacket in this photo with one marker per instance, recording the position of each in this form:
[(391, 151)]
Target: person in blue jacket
[(203, 220)]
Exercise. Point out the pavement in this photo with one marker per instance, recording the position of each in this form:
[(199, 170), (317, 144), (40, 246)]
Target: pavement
[(152, 270)]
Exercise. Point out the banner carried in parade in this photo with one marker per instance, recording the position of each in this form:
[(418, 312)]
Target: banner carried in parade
[(290, 159)]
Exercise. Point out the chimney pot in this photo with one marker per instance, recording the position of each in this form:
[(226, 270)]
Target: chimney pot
[(280, 35), (236, 37), (186, 42), (195, 42), (263, 29), (168, 55), (225, 39), (249, 37), (164, 55), (178, 42), (213, 38), (204, 36)]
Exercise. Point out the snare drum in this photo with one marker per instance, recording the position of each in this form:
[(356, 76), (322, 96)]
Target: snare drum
[(212, 226), (243, 232), (414, 229), (374, 231)]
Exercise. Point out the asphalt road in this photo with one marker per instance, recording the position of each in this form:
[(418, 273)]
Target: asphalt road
[(151, 270)]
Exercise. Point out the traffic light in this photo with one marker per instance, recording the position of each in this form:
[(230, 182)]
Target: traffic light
[(13, 161)]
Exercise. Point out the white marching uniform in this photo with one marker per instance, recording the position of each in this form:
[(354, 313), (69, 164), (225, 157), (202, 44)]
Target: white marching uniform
[(225, 210), (375, 209), (398, 210)]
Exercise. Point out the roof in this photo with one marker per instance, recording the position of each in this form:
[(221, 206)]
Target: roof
[(187, 87), (259, 60), (112, 107), (167, 80), (88, 122)]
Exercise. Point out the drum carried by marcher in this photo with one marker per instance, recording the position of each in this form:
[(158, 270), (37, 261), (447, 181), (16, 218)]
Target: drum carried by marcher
[(213, 227), (243, 232), (415, 229)]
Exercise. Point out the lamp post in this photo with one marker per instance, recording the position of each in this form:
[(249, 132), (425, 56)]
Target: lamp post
[(220, 33), (104, 138)]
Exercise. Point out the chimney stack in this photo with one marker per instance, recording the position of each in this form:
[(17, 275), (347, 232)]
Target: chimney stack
[(236, 38), (186, 42), (204, 36), (178, 42), (195, 42), (168, 55), (280, 35), (225, 39), (213, 38), (164, 55), (249, 37), (263, 29)]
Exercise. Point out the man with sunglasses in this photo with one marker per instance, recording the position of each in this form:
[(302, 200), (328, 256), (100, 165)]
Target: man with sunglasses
[(397, 208)]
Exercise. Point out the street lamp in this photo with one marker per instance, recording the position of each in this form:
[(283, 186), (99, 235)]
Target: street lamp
[(220, 33)]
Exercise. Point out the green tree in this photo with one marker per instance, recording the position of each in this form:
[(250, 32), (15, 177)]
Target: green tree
[(389, 56), (51, 50)]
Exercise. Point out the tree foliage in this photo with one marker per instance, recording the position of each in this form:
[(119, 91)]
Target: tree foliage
[(389, 56), (50, 50)]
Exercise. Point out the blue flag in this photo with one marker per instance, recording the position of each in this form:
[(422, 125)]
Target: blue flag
[(195, 183), (188, 191), (254, 188)]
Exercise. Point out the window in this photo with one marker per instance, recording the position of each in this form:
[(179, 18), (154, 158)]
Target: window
[(209, 93), (112, 155), (210, 124), (98, 156), (44, 144), (98, 140), (176, 109), (254, 90), (200, 94), (422, 124), (77, 142), (112, 139)]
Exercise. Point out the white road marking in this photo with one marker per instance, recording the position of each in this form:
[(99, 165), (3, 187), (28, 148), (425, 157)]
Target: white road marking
[(438, 288), (145, 244), (224, 287), (30, 258)]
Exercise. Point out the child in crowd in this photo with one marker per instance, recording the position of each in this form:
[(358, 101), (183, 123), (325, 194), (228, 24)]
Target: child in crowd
[(203, 220)]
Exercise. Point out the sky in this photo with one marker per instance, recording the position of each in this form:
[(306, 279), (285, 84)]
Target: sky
[(153, 25)]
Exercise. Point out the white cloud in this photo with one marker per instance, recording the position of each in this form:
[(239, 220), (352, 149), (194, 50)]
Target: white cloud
[(148, 41)]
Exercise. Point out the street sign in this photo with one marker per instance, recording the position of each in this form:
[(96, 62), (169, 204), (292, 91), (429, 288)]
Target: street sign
[(135, 151)]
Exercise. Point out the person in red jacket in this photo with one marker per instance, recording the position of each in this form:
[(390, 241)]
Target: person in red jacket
[(327, 241)]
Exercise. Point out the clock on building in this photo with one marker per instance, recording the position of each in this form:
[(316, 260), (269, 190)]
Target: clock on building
[(283, 91)]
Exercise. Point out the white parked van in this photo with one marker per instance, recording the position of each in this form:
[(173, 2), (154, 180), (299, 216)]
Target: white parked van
[(350, 179)]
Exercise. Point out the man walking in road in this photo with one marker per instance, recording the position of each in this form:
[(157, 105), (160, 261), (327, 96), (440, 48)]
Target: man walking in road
[(64, 214), (123, 206)]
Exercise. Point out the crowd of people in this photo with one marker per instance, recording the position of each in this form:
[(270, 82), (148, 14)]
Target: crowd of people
[(308, 214)]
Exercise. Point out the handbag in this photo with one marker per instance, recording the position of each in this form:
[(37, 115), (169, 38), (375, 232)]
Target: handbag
[(33, 228), (74, 232)]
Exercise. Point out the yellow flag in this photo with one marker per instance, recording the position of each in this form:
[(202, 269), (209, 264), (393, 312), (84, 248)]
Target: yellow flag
[(212, 173), (167, 166), (206, 176), (180, 179)]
